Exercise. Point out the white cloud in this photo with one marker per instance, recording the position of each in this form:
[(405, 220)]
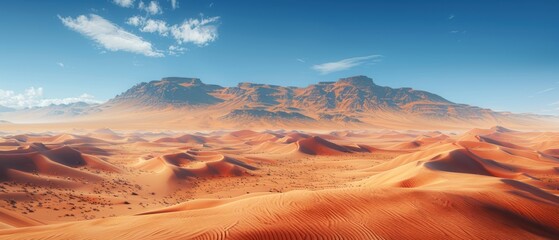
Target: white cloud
[(57, 101), (33, 97), (176, 50), (196, 31), (545, 90), (174, 4), (60, 64), (124, 3), (344, 64), (152, 7), (110, 36), (136, 21), (158, 26), (149, 25)]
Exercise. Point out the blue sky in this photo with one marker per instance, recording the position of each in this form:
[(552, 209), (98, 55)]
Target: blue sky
[(502, 55)]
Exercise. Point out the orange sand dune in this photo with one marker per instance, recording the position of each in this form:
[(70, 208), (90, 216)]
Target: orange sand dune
[(25, 165), (275, 148), (13, 220), (193, 164), (319, 146), (352, 213), (493, 183), (187, 138)]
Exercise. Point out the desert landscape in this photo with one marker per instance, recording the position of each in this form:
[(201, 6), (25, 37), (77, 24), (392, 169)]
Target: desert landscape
[(197, 119), (369, 178), (179, 159), (170, 159)]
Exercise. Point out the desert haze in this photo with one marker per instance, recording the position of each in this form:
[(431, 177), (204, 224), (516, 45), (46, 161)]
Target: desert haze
[(178, 161)]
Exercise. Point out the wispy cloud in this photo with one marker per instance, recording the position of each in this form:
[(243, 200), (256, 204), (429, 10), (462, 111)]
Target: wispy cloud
[(545, 90), (174, 4), (152, 7), (33, 97), (110, 36), (451, 17), (177, 50), (124, 3), (197, 31), (301, 60), (158, 26), (345, 64), (60, 64)]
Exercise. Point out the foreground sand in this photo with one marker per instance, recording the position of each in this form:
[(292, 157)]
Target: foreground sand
[(484, 183)]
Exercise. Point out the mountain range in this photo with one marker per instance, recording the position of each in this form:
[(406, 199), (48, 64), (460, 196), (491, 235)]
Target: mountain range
[(353, 102)]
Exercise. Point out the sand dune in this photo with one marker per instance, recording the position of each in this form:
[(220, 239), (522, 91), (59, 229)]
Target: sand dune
[(481, 184), (194, 164), (187, 138), (13, 220), (59, 164), (319, 146), (353, 213)]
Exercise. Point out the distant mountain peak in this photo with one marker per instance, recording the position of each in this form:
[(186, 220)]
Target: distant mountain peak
[(357, 81), (249, 85)]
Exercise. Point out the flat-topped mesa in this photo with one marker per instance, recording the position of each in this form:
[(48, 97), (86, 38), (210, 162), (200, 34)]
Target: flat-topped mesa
[(357, 81)]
